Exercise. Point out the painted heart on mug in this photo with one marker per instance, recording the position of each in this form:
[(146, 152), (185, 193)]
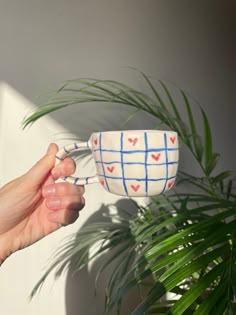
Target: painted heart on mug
[(135, 188), (133, 141), (170, 184), (111, 169), (172, 139), (95, 141), (156, 156)]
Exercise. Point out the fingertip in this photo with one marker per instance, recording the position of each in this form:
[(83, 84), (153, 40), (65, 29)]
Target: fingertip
[(52, 149), (65, 168), (43, 167), (56, 173)]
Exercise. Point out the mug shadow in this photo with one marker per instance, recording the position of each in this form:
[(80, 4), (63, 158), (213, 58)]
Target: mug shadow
[(80, 295)]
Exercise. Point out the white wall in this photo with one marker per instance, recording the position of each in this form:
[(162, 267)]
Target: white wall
[(190, 43)]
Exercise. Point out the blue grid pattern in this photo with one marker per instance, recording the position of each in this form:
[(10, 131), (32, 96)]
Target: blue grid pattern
[(122, 162), (101, 158), (146, 158), (166, 154)]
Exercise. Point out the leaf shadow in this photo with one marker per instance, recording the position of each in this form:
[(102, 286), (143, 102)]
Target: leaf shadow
[(80, 295)]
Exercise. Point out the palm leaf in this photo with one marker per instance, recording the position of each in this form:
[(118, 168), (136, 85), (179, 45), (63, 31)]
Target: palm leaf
[(198, 147), (183, 240), (198, 288), (210, 156), (217, 294)]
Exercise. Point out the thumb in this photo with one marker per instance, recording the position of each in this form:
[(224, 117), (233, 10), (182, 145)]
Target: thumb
[(39, 172)]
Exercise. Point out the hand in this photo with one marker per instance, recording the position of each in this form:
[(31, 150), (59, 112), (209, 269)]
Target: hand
[(33, 205)]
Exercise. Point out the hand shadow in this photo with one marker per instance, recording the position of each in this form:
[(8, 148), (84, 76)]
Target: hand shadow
[(80, 287)]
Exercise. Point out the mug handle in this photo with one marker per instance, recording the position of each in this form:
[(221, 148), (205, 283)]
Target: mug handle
[(64, 152)]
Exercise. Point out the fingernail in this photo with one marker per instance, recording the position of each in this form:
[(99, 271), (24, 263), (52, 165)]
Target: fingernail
[(49, 191)]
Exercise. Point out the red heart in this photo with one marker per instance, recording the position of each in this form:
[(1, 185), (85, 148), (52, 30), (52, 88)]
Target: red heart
[(102, 182), (170, 184), (133, 141), (95, 141), (156, 157), (110, 169), (135, 188), (172, 139)]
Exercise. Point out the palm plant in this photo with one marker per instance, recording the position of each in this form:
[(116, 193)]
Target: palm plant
[(181, 246)]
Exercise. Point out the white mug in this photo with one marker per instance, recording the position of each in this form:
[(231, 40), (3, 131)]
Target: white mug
[(135, 163)]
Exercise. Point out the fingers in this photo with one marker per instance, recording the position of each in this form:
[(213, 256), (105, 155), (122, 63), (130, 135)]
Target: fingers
[(45, 165), (41, 169), (63, 217), (67, 215), (64, 168), (65, 201), (62, 189), (72, 202)]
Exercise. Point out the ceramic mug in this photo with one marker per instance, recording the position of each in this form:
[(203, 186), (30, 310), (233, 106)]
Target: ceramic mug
[(132, 163)]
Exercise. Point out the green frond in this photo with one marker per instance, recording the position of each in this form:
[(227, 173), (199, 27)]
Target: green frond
[(183, 242)]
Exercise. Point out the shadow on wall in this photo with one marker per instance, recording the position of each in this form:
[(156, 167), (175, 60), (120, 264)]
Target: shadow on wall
[(78, 122), (81, 121), (84, 119), (77, 295)]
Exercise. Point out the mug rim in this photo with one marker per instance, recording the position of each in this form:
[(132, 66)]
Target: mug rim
[(136, 131)]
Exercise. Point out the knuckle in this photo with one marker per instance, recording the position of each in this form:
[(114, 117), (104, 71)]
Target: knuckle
[(62, 188), (72, 203), (69, 165), (67, 203), (81, 190)]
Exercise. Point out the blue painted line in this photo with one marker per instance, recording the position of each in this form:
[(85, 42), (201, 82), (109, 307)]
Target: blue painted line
[(166, 155), (122, 160), (136, 163), (113, 162), (59, 158), (145, 164), (76, 180), (76, 146), (103, 168), (86, 180), (67, 151), (137, 179), (136, 151)]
